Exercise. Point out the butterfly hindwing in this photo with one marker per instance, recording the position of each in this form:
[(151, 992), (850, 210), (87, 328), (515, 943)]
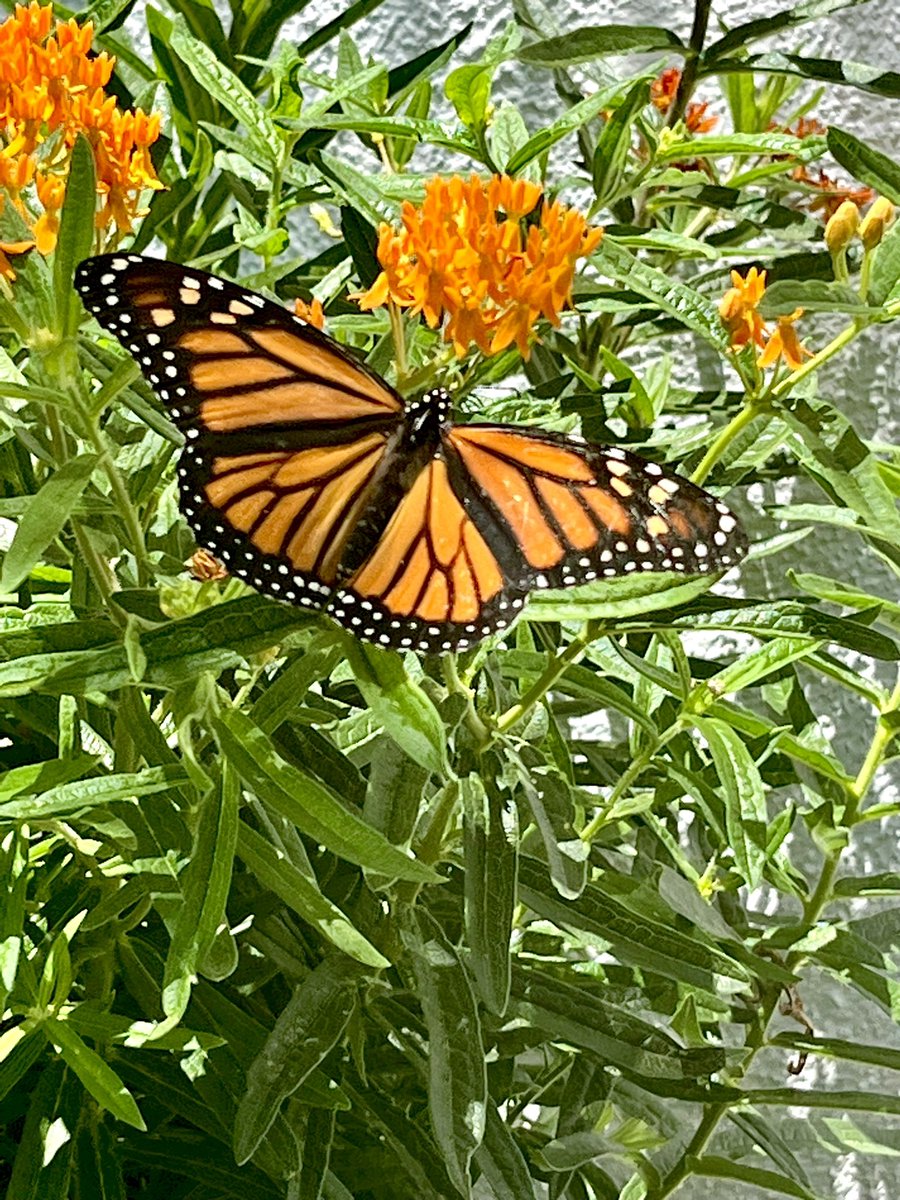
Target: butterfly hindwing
[(432, 580)]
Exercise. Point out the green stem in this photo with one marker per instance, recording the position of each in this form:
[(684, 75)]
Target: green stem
[(396, 318), (557, 667), (723, 439), (763, 406), (480, 731), (692, 64)]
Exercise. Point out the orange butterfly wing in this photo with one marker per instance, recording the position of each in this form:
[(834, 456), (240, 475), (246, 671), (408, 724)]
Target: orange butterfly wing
[(578, 512), (287, 436)]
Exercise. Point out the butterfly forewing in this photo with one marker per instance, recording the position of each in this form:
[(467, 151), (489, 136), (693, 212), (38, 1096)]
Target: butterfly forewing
[(286, 435), (579, 512)]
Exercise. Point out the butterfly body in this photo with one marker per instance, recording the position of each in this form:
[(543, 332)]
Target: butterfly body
[(314, 481)]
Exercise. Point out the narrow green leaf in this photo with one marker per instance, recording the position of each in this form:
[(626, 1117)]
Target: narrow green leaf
[(760, 27), (399, 704), (679, 300), (99, 1079), (490, 852), (205, 882), (866, 163), (597, 41), (224, 86), (642, 941), (501, 1161), (51, 1118), (745, 800), (76, 234), (457, 1079), (274, 871), (612, 598), (46, 514), (723, 1168), (578, 1015), (313, 1021), (756, 665), (614, 143), (573, 119), (812, 295), (310, 805), (97, 792)]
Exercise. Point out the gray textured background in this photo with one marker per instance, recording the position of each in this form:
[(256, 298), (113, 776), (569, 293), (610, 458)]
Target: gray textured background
[(863, 383)]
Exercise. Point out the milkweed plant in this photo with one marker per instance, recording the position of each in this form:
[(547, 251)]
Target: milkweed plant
[(588, 910)]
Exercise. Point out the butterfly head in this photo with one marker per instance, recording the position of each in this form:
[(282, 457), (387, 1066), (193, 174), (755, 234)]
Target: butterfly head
[(427, 414)]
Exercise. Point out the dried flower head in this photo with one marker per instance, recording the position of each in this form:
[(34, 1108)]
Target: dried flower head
[(489, 256), (52, 90)]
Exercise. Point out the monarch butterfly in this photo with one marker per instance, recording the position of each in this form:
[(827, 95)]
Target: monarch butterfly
[(316, 483)]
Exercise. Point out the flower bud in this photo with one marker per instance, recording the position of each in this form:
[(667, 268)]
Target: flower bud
[(875, 222), (841, 228)]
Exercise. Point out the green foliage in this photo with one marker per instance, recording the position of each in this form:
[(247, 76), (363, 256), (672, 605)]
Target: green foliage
[(286, 916)]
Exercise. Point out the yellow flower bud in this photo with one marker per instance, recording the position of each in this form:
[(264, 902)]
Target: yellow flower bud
[(841, 228), (875, 222)]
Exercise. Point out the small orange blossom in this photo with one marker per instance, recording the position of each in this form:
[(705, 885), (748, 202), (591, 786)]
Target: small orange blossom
[(52, 90), (310, 311), (489, 256), (738, 310), (785, 344), (663, 91)]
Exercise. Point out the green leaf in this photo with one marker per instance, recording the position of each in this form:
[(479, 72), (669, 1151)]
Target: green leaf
[(643, 941), (490, 852), (756, 665), (469, 90), (223, 85), (46, 515), (745, 800), (98, 1078), (679, 300), (96, 792), (723, 1168), (571, 121), (457, 1078), (876, 1056), (42, 1166), (501, 1161), (38, 777), (863, 76), (866, 163), (812, 295), (76, 235), (884, 283), (736, 145), (751, 31), (579, 1016), (308, 804), (313, 1021), (205, 882), (614, 144), (399, 704), (597, 41), (609, 599), (301, 893)]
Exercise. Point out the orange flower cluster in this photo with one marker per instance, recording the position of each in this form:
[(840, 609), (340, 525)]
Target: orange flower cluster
[(738, 310), (51, 90), (663, 91), (490, 256)]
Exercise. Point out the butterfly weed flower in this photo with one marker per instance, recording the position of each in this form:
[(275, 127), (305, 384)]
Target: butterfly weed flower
[(52, 90), (663, 91), (310, 311), (486, 259), (738, 308), (739, 313)]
